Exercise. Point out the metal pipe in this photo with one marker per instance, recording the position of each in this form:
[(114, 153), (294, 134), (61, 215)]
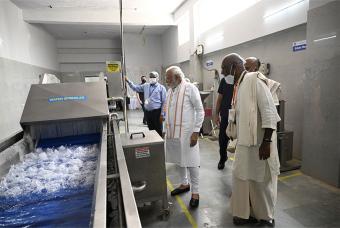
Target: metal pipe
[(123, 65), (4, 144)]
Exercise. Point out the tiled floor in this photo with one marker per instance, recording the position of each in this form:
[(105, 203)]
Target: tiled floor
[(302, 200)]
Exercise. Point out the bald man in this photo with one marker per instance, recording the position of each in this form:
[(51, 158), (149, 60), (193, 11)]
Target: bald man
[(252, 64), (256, 164)]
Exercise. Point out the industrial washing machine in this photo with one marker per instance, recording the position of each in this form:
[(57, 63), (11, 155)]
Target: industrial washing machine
[(77, 114)]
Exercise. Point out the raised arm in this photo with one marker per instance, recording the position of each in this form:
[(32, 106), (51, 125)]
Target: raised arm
[(136, 88)]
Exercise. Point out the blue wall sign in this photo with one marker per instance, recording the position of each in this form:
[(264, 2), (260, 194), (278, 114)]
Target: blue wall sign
[(209, 63), (67, 98), (299, 45)]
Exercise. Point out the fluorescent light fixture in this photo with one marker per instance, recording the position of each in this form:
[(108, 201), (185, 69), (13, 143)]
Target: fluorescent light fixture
[(325, 38), (282, 9), (215, 38)]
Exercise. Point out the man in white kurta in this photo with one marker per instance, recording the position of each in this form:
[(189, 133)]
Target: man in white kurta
[(184, 118), (256, 164)]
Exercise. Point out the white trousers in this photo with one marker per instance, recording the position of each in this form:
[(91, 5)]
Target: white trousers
[(194, 177), (257, 199)]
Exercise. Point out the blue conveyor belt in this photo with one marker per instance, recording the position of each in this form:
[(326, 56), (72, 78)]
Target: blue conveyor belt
[(69, 140)]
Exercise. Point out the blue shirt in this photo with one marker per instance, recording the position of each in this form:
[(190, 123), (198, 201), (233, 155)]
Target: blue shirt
[(154, 93)]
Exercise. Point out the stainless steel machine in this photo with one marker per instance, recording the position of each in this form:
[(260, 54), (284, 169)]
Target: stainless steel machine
[(145, 158), (78, 113), (285, 142), (54, 112), (67, 109)]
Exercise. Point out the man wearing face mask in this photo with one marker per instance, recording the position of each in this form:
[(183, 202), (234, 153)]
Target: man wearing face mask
[(223, 104), (256, 164), (154, 100), (184, 118)]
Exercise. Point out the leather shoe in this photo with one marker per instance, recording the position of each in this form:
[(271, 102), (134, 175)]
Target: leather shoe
[(194, 203), (266, 223), (177, 191), (240, 221)]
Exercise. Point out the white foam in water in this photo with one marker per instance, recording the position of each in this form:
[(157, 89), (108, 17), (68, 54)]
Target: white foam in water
[(49, 170)]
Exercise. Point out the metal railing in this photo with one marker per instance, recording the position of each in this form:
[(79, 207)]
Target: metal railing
[(127, 211)]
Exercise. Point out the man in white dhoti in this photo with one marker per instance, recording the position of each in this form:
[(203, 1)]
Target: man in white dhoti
[(256, 164), (184, 118)]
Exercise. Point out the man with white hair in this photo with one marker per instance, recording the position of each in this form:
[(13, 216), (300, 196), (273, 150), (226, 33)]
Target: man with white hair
[(154, 100), (256, 164), (184, 118)]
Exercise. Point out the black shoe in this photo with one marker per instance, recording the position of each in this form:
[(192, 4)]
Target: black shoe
[(177, 191), (194, 203), (266, 223), (240, 221), (221, 165)]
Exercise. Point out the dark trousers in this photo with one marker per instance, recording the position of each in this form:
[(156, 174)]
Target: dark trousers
[(144, 118), (153, 120), (223, 139)]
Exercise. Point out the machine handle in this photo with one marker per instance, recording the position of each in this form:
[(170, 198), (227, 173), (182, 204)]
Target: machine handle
[(139, 188), (137, 133)]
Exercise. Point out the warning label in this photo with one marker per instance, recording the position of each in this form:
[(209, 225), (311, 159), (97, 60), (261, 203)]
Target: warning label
[(142, 152), (113, 66)]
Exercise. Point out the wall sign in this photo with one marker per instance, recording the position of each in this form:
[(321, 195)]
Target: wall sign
[(299, 45), (113, 66), (209, 63)]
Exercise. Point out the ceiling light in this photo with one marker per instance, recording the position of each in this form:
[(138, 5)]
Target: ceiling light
[(325, 38), (282, 9)]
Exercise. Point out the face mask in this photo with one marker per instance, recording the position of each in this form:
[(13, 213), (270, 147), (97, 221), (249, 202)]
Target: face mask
[(143, 81), (229, 78), (152, 80)]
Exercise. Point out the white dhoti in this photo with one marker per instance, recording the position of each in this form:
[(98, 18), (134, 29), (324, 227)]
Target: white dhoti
[(256, 199), (254, 189)]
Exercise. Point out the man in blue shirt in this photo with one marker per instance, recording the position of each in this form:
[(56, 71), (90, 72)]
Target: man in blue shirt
[(154, 100)]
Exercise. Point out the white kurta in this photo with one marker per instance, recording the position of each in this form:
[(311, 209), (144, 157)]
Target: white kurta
[(254, 180), (247, 164), (192, 119)]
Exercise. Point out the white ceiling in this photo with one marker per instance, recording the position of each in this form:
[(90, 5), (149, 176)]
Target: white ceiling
[(56, 23), (164, 6), (76, 31)]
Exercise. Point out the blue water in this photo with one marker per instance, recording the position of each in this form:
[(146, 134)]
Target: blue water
[(51, 187)]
